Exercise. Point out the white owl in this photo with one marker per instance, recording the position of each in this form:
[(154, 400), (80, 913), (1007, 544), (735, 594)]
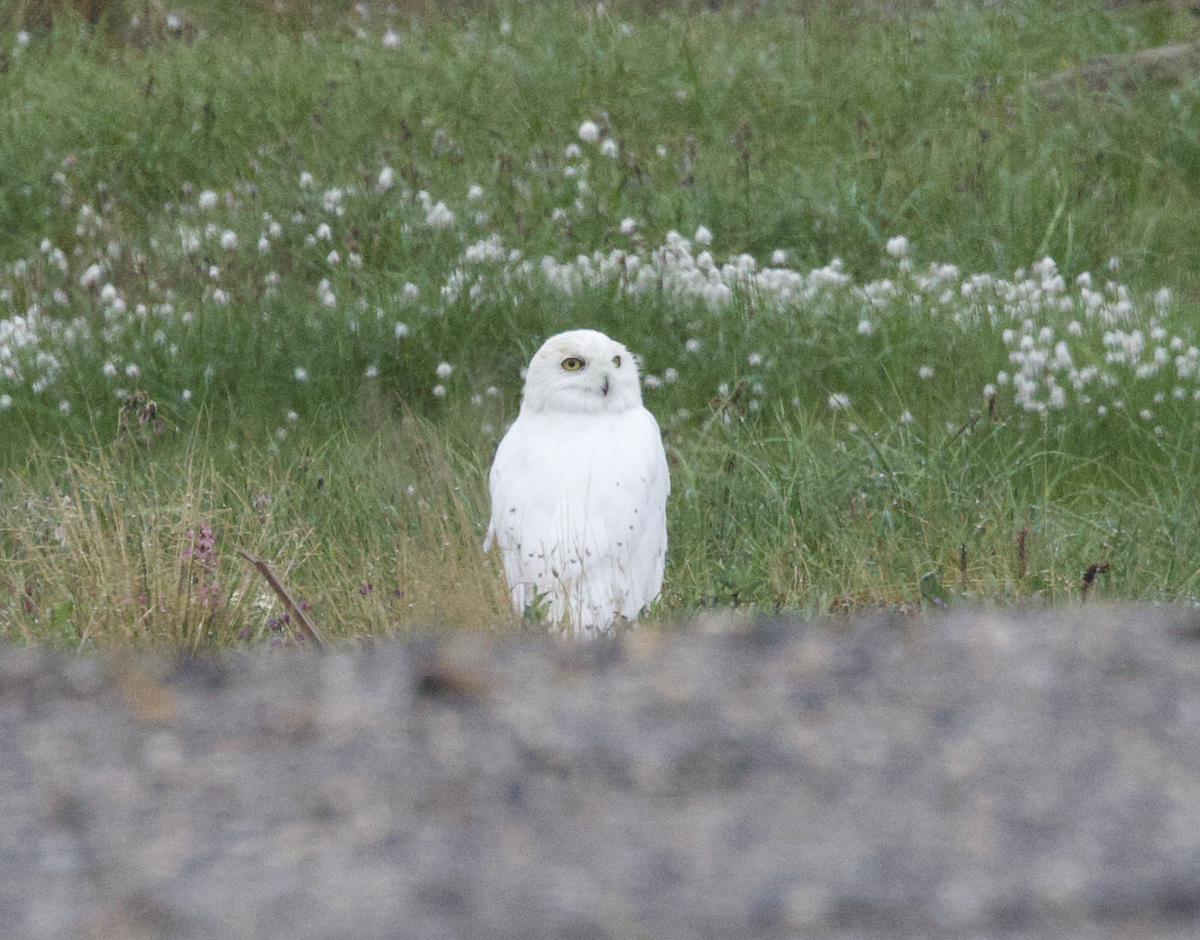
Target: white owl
[(579, 488)]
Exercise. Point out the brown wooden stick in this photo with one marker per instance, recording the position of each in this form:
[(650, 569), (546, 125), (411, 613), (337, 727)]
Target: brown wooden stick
[(303, 627)]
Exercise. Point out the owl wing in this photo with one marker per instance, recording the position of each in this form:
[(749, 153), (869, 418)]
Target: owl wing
[(535, 490), (626, 511), (640, 515)]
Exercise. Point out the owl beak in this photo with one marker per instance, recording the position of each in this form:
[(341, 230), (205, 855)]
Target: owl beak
[(604, 386)]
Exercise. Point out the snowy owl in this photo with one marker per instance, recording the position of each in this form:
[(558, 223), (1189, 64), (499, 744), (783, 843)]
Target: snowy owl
[(579, 488)]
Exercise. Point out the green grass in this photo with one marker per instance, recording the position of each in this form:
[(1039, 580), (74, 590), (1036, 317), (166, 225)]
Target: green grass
[(831, 440)]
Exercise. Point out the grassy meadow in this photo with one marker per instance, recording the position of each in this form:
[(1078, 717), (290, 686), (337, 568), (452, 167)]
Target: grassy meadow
[(918, 320)]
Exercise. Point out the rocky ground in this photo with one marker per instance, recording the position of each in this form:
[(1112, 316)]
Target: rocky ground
[(975, 775)]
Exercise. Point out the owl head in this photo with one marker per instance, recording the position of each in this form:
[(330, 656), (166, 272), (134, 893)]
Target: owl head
[(581, 371)]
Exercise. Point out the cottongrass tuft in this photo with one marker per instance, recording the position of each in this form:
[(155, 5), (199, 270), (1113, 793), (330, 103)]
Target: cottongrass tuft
[(439, 216)]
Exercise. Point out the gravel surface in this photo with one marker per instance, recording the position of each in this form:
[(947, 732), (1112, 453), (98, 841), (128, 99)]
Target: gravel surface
[(975, 775)]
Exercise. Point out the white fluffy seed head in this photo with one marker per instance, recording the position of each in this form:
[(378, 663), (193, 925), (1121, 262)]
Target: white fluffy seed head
[(581, 371)]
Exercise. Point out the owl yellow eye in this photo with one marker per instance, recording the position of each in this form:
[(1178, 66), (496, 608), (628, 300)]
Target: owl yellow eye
[(617, 361), (572, 363)]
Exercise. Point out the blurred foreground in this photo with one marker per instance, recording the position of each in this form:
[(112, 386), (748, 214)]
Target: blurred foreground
[(986, 774)]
